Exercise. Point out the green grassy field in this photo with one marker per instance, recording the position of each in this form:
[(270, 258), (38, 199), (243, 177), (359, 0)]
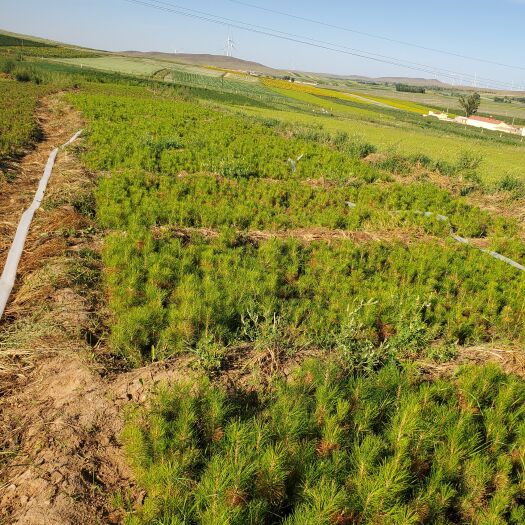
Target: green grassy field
[(446, 100), (498, 160)]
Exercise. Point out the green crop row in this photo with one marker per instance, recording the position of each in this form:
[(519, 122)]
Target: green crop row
[(328, 448), (140, 198), (45, 52)]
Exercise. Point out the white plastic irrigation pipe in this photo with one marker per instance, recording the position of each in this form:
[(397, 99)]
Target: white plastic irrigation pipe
[(457, 238), (7, 280)]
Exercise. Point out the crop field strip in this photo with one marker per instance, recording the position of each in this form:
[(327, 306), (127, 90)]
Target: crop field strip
[(14, 46), (183, 76), (345, 96)]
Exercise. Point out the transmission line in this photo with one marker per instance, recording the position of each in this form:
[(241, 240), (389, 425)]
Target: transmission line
[(201, 15)]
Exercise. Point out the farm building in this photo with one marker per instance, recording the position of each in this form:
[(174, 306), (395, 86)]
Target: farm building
[(492, 124)]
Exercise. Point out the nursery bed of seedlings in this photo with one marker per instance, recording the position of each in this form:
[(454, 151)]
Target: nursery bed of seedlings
[(173, 163)]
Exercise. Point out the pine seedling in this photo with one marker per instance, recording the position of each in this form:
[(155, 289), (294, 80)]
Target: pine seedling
[(214, 410), (271, 475), (325, 504), (476, 476)]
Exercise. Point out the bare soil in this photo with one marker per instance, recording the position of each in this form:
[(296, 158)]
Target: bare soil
[(511, 360)]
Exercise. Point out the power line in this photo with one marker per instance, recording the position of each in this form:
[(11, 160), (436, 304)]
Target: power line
[(391, 60), (372, 35), (201, 15)]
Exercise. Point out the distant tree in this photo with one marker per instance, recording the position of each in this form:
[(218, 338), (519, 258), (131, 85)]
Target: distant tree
[(470, 103), (410, 89)]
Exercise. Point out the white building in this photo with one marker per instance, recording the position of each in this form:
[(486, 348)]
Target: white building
[(492, 124)]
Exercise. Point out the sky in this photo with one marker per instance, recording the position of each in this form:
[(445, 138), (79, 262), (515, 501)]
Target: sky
[(490, 30)]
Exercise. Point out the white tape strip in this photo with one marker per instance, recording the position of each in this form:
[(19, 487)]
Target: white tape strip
[(7, 280)]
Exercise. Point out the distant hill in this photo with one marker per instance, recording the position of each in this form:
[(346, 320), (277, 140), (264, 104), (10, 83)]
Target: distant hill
[(206, 60), (391, 80), (246, 65), (414, 81), (225, 62)]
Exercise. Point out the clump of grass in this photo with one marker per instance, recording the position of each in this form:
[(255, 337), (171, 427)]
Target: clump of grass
[(326, 447), (511, 184)]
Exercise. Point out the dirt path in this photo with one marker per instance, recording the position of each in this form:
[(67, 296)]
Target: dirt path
[(511, 360)]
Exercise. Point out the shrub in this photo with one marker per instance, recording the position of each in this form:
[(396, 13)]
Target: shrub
[(358, 147), (7, 66), (468, 161), (22, 75)]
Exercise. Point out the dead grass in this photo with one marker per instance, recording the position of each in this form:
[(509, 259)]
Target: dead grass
[(402, 235), (511, 360)]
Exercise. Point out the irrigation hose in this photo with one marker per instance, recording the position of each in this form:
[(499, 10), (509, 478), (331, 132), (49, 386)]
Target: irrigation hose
[(457, 238), (7, 280)]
